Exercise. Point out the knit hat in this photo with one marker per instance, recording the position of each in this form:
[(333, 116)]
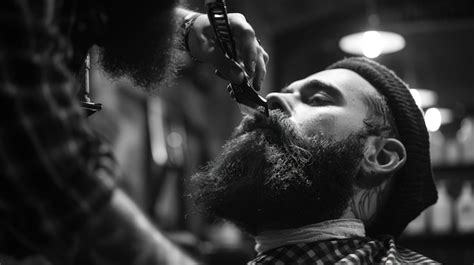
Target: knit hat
[(414, 189)]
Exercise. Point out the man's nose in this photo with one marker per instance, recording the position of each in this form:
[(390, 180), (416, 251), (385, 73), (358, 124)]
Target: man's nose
[(281, 101)]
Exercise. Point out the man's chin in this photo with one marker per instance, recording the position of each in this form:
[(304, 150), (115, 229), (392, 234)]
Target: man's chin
[(232, 181)]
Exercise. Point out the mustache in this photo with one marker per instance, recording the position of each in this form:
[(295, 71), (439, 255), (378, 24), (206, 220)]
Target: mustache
[(278, 131), (277, 121)]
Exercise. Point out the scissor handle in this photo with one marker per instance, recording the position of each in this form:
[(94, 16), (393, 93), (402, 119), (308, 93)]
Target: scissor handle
[(217, 14)]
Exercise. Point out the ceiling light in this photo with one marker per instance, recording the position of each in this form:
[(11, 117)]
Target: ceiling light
[(435, 117), (424, 98), (372, 43)]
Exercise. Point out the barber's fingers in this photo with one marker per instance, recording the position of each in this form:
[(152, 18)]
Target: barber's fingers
[(250, 54), (247, 49), (204, 47), (229, 70), (260, 69)]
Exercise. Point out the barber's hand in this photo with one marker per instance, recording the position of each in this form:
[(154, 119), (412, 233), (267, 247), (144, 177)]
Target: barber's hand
[(204, 47)]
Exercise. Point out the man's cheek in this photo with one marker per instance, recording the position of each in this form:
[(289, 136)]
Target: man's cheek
[(321, 126)]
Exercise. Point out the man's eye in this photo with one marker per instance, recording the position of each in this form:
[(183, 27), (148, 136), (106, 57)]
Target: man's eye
[(319, 100)]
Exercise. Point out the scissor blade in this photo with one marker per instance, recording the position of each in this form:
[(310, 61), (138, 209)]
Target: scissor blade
[(245, 95)]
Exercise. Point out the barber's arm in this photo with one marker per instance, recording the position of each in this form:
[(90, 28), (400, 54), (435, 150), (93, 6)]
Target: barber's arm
[(57, 194), (121, 234), (203, 47)]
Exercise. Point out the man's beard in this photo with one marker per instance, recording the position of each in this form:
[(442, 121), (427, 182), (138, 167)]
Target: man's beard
[(141, 44), (271, 177)]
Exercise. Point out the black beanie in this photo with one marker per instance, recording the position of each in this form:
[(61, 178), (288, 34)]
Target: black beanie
[(414, 189)]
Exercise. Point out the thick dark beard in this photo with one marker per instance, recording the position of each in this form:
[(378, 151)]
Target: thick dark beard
[(271, 177), (142, 46)]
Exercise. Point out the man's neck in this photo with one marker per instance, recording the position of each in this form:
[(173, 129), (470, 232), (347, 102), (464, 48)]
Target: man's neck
[(349, 214), (331, 229)]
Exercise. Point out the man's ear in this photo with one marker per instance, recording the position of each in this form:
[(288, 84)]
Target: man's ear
[(382, 158)]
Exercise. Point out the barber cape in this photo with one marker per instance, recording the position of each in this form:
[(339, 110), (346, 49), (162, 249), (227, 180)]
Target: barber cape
[(334, 241)]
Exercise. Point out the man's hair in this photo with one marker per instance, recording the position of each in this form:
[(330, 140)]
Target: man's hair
[(379, 120)]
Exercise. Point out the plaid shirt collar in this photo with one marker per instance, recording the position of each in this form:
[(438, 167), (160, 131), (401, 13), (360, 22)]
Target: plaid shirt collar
[(382, 250), (332, 229)]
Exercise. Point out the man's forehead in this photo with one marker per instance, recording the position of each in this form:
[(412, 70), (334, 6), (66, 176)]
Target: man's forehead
[(342, 79)]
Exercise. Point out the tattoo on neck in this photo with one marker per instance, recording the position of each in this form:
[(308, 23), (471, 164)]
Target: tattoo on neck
[(365, 203)]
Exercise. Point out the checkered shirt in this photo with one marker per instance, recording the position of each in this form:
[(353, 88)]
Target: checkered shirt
[(342, 251), (55, 174)]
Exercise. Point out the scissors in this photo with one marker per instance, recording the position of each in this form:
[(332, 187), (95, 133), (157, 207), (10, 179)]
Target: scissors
[(248, 100)]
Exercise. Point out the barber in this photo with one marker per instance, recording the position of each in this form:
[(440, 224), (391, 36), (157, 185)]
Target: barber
[(57, 194)]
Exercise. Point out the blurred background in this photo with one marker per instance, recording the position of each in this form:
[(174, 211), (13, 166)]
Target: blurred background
[(161, 141)]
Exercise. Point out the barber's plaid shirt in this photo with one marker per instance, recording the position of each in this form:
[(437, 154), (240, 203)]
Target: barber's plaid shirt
[(342, 251), (54, 173)]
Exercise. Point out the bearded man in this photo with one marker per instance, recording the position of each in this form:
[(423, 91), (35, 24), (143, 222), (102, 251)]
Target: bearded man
[(335, 173)]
